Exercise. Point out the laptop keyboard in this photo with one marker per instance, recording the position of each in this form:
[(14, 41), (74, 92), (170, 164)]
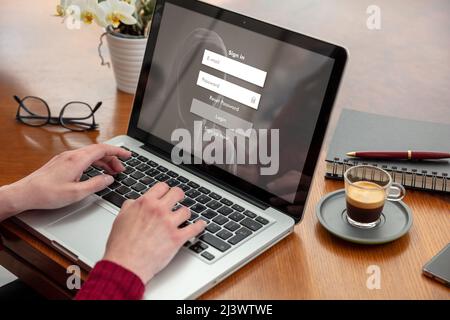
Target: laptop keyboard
[(228, 223)]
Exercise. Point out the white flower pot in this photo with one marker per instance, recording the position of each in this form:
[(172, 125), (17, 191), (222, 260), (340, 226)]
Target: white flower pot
[(127, 53)]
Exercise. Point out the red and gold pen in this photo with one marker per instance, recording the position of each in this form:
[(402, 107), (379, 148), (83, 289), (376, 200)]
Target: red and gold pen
[(401, 155)]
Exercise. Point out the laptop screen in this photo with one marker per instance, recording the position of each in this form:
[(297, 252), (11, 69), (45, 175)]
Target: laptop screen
[(239, 100)]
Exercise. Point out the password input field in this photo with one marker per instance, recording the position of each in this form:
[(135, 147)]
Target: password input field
[(235, 68), (228, 89)]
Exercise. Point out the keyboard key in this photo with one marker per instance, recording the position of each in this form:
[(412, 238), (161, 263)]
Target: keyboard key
[(132, 195), (193, 216), (176, 207), (120, 176), (147, 180), (144, 190), (244, 231), (224, 234), (236, 216), (115, 198), (123, 147), (114, 185), (251, 224), (101, 193), (152, 172), (207, 255), (134, 154), (238, 208), (172, 174), (94, 173), (173, 183), (198, 207), (152, 163), (142, 158), (143, 167), (138, 187), (137, 175), (209, 214), (133, 162), (162, 169), (262, 220), (236, 239), (225, 211), (128, 181), (215, 196), (192, 184), (128, 170), (187, 202), (232, 226), (198, 247), (226, 202), (162, 177), (182, 179), (192, 193), (203, 199), (220, 220), (204, 190), (123, 190), (213, 204), (184, 187), (215, 242), (249, 214), (213, 228)]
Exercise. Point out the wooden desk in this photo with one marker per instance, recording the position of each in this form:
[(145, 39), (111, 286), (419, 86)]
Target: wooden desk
[(403, 70)]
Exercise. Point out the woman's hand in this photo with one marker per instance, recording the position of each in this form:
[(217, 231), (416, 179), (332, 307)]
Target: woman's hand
[(57, 183), (145, 235)]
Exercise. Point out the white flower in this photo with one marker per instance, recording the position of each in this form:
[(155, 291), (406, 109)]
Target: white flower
[(117, 11), (90, 11)]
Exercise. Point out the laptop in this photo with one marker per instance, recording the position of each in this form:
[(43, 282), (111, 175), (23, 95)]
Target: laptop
[(213, 81)]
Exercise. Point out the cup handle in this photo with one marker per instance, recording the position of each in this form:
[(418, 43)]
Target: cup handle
[(396, 192)]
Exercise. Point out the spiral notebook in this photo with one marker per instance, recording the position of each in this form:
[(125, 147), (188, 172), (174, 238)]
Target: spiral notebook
[(361, 131)]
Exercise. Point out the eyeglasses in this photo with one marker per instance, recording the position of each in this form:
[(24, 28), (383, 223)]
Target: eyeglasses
[(75, 115)]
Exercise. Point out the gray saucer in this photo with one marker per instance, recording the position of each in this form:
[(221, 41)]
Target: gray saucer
[(396, 220)]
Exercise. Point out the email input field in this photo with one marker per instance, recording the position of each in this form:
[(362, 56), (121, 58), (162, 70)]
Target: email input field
[(228, 89), (234, 68)]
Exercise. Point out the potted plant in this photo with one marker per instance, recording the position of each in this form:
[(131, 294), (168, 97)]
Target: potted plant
[(127, 25)]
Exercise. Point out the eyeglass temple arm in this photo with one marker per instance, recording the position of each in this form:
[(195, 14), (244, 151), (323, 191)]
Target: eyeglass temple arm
[(97, 106), (18, 100)]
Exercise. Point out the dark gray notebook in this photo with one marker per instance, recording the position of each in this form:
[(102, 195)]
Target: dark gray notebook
[(361, 131)]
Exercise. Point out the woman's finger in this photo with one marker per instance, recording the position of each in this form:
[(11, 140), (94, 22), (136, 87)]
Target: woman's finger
[(95, 152)]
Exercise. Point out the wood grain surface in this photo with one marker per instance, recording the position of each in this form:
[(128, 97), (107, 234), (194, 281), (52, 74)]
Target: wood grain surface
[(403, 69)]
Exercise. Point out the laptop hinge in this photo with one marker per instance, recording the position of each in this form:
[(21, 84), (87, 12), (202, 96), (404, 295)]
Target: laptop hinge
[(220, 184)]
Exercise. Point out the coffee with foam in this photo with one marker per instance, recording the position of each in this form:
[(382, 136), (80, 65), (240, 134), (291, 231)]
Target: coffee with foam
[(365, 201)]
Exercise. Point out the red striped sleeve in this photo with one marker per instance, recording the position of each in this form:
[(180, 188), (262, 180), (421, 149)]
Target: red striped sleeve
[(110, 281)]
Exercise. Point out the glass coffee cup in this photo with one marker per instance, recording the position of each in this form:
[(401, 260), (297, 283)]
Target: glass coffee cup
[(366, 190)]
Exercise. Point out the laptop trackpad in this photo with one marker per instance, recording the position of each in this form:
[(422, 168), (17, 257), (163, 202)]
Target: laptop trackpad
[(84, 232)]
